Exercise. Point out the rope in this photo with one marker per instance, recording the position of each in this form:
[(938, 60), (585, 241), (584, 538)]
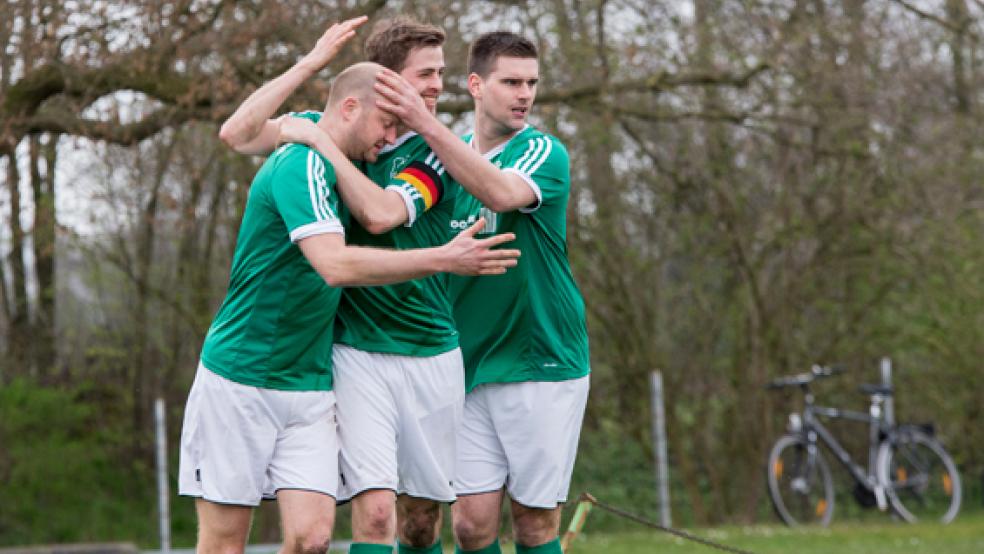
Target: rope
[(586, 497)]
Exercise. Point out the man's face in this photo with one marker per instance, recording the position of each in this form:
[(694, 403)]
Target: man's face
[(507, 93), (424, 69), (373, 130)]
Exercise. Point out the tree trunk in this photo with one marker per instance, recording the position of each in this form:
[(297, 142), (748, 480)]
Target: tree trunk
[(43, 186), (19, 331)]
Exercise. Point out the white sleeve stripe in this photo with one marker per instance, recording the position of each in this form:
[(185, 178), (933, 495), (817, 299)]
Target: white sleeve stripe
[(316, 228), (312, 187), (535, 164), (408, 199), (430, 158), (533, 185)]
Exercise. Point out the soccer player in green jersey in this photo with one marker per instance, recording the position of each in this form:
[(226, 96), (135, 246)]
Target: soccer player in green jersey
[(399, 377), (260, 418), (523, 335)]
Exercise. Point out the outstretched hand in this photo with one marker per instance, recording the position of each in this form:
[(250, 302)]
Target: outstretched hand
[(471, 256), (397, 96), (331, 43)]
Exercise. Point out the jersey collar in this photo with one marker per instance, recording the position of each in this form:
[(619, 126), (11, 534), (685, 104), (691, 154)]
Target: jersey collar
[(398, 142), (498, 149)]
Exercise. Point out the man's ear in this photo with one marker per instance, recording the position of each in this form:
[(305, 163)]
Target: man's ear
[(350, 108), (475, 86)]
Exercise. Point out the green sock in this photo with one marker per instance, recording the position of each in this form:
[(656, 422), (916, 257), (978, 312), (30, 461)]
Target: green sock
[(370, 548), (432, 549), (490, 549), (552, 547)]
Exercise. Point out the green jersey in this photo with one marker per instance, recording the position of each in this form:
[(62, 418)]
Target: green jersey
[(528, 324), (274, 329), (412, 318)]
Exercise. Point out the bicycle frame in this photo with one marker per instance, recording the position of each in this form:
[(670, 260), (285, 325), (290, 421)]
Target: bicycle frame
[(812, 430)]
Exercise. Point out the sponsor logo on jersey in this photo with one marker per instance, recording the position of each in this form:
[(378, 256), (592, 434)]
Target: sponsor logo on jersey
[(491, 222)]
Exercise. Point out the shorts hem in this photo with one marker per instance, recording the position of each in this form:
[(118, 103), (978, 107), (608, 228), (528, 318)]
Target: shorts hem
[(474, 492), (346, 498), (556, 505), (222, 502), (421, 496), (302, 489)]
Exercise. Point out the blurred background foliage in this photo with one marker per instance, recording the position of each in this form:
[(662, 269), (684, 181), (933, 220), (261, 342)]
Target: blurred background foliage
[(758, 185)]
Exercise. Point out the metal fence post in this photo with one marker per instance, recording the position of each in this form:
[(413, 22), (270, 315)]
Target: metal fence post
[(659, 446), (163, 494), (886, 379)]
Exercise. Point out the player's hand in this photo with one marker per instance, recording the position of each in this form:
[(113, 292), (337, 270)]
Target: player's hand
[(331, 43), (470, 256), (299, 129), (397, 96)]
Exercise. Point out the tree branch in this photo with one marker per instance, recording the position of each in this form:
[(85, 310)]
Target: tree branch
[(659, 82), (941, 21)]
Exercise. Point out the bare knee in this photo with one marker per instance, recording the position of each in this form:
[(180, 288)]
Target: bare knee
[(314, 541), (374, 518), (535, 526), (419, 521), (474, 529)]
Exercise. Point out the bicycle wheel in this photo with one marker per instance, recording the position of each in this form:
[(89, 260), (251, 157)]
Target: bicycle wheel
[(800, 485), (920, 478)]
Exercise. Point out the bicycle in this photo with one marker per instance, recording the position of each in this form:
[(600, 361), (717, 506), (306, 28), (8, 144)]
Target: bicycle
[(908, 469)]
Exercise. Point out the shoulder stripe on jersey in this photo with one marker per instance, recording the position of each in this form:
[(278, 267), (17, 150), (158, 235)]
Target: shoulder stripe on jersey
[(324, 189), (424, 180), (536, 161), (532, 153), (312, 187), (530, 148), (318, 188)]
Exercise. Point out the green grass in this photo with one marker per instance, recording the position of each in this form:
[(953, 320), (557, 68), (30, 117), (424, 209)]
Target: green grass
[(964, 536)]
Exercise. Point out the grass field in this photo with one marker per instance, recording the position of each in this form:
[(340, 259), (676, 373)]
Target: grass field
[(964, 536)]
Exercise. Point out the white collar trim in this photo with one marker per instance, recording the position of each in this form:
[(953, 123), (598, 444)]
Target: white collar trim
[(498, 149), (398, 142)]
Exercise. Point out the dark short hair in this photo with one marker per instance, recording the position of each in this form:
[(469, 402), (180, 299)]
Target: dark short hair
[(488, 48), (393, 39)]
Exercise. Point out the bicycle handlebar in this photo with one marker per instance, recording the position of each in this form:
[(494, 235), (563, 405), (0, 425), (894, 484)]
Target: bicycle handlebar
[(801, 379)]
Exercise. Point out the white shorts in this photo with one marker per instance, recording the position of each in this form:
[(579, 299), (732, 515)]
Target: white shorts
[(522, 436), (398, 417), (240, 444)]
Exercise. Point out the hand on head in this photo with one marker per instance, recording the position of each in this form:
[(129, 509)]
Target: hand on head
[(397, 96)]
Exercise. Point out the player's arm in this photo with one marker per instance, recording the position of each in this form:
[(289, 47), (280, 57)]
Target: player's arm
[(348, 266), (378, 210), (250, 129), (500, 191)]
